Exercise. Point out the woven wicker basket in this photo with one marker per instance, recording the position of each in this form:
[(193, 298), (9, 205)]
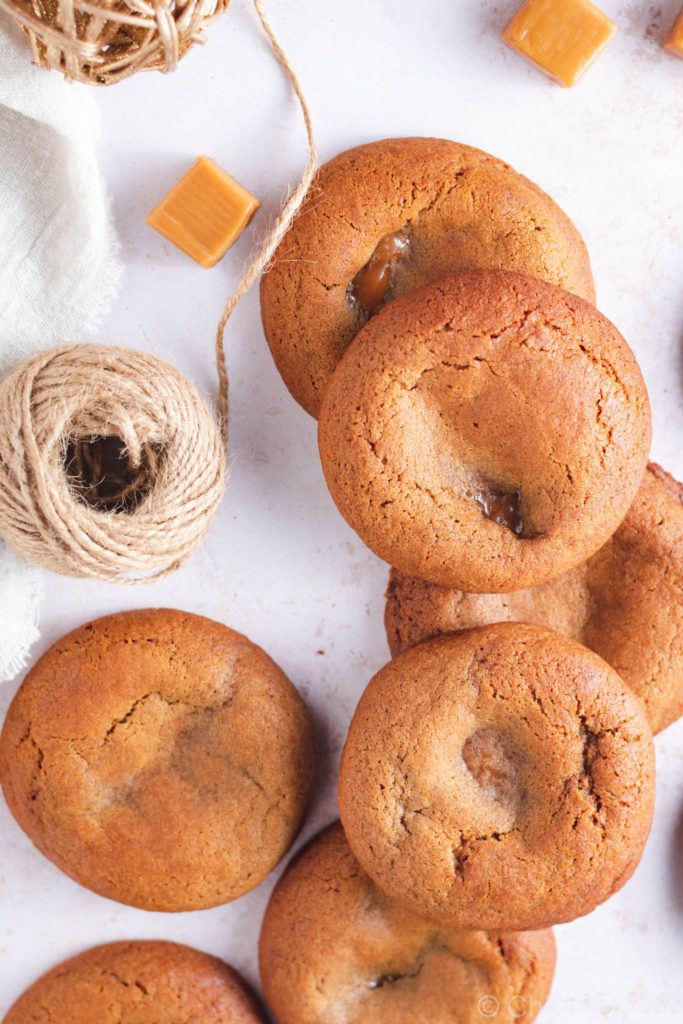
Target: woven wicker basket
[(104, 41)]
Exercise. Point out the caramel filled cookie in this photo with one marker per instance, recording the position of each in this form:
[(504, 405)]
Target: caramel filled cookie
[(485, 432), (334, 948), (502, 777), (625, 602), (138, 983), (159, 759), (388, 217)]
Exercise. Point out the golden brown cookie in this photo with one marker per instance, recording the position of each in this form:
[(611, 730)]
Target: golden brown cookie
[(498, 778), (334, 948), (159, 758), (138, 983), (387, 217), (485, 432), (625, 602)]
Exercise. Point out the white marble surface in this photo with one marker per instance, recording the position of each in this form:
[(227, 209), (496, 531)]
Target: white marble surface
[(279, 563)]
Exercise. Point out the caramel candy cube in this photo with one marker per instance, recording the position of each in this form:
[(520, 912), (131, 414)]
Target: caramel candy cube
[(674, 40), (561, 37), (205, 212)]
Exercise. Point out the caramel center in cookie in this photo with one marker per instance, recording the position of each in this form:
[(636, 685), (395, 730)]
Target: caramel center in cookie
[(369, 287), (392, 977), (494, 765), (503, 508), (461, 415)]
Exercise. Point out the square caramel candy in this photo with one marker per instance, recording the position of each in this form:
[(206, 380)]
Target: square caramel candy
[(674, 40), (205, 212), (561, 37)]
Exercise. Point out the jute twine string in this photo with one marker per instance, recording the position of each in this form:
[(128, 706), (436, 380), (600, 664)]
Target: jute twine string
[(279, 229), (60, 402)]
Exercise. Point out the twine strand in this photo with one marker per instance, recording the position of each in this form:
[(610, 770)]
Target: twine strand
[(279, 229), (106, 44)]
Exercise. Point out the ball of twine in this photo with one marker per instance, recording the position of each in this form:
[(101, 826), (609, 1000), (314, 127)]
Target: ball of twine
[(102, 41), (111, 463)]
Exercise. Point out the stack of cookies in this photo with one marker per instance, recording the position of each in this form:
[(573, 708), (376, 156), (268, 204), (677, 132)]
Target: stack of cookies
[(485, 430)]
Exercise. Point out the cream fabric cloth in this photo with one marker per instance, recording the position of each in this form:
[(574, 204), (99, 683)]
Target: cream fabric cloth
[(58, 265)]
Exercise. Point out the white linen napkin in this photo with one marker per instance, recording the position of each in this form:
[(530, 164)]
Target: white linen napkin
[(58, 265)]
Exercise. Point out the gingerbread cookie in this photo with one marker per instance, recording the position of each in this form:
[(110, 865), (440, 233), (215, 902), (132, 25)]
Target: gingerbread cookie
[(485, 432), (138, 983), (625, 602), (387, 217), (333, 947), (159, 758), (502, 777)]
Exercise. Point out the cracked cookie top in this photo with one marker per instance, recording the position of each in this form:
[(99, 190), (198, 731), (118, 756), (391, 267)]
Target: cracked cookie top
[(502, 777), (485, 432), (625, 602), (387, 217), (159, 758), (138, 983), (333, 947)]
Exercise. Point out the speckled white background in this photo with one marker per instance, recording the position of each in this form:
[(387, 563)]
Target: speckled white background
[(279, 563)]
